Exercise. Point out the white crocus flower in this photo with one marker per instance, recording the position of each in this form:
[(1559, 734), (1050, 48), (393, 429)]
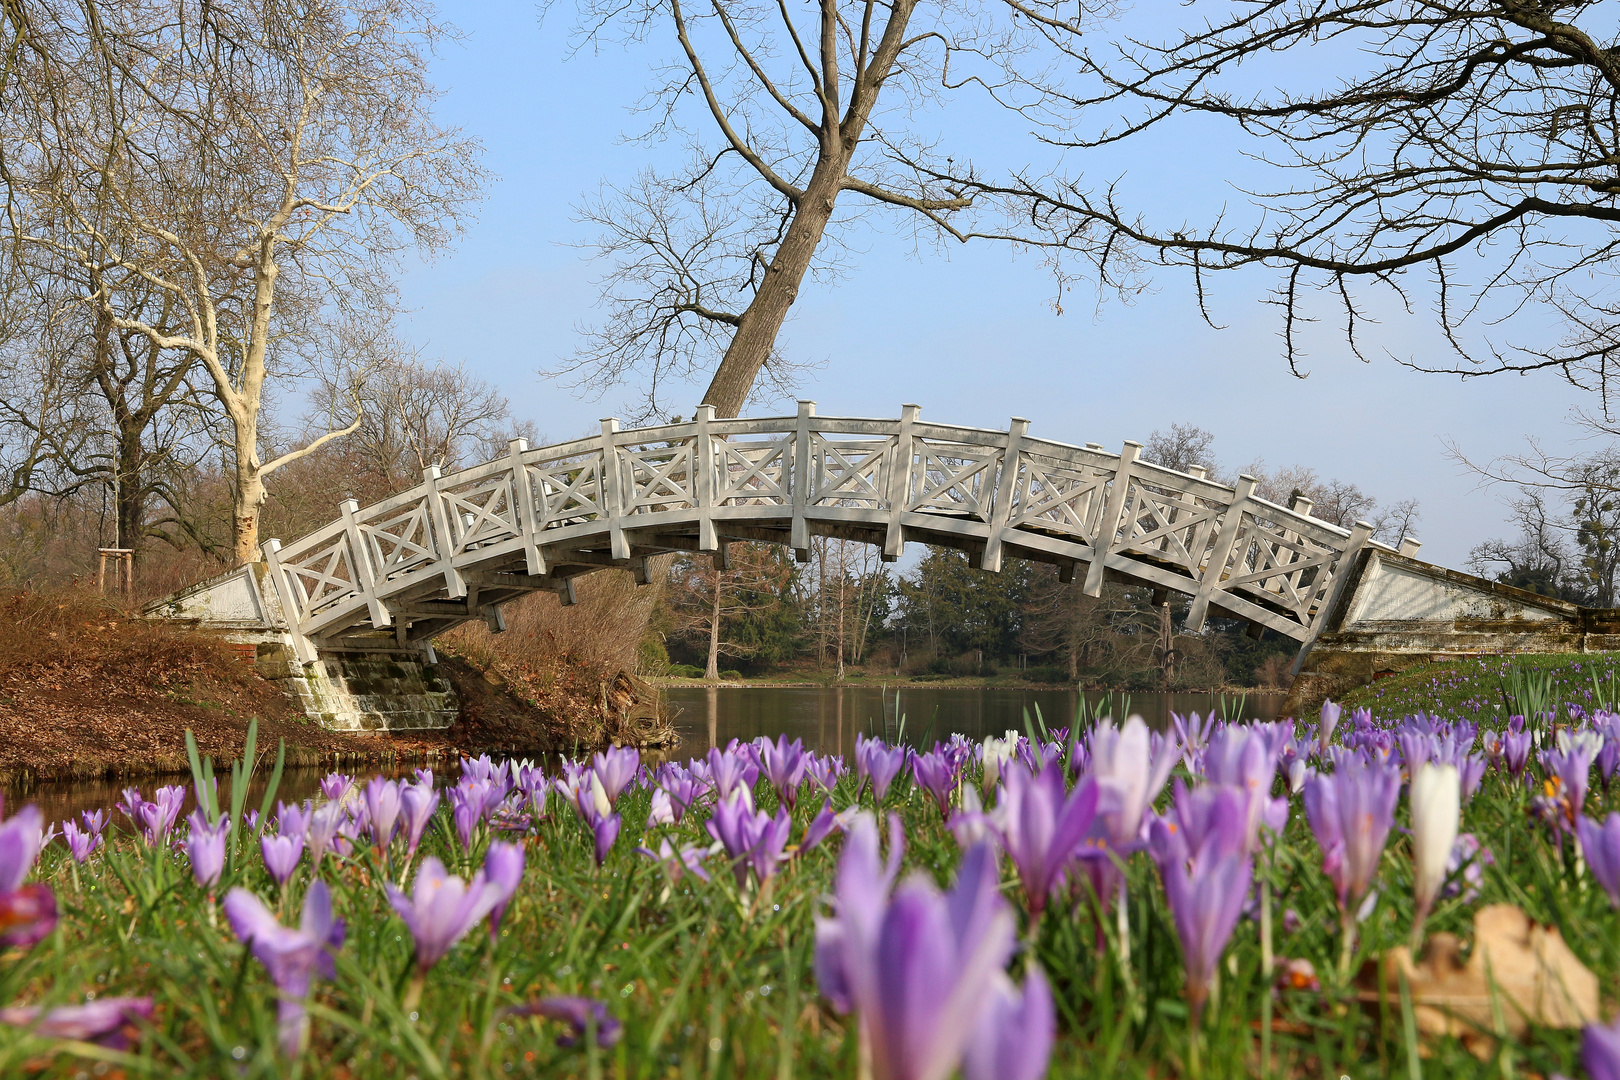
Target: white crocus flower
[(1436, 804)]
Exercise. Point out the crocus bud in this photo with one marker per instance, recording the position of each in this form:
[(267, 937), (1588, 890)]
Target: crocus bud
[(1436, 803), (599, 797), (1330, 720)]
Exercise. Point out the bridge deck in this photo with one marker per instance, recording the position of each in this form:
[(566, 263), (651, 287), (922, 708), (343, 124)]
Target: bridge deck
[(456, 547)]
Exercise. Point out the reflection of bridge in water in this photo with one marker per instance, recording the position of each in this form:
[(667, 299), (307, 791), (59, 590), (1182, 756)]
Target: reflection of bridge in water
[(455, 548)]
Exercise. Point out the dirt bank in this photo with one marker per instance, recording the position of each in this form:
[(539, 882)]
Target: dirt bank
[(87, 692)]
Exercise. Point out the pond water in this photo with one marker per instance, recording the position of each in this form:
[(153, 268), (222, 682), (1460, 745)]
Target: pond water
[(66, 798), (828, 718)]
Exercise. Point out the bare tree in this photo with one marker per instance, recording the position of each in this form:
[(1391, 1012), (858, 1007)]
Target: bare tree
[(705, 598), (1461, 155), (260, 164), (784, 111), (415, 414), (1181, 447)]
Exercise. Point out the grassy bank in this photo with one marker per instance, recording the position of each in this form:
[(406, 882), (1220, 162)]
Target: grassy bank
[(1481, 687)]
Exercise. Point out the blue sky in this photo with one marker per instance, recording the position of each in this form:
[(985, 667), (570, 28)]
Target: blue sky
[(971, 336)]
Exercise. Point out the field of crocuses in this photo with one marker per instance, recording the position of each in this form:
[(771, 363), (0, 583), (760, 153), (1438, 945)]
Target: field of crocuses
[(1219, 899)]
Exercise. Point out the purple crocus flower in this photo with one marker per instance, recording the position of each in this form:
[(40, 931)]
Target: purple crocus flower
[(661, 811), (1516, 751), (1350, 811), (22, 835), (1330, 720), (105, 1022), (1600, 1050), (325, 825), (1129, 768), (1129, 772), (292, 957), (81, 842), (824, 771), (417, 804), (441, 908), (919, 969), (1570, 765), (936, 772), (503, 867), (468, 802), (281, 855), (157, 817), (381, 798), (579, 1013), (878, 763), (1041, 826), (206, 848), (752, 838), (729, 770), (1206, 880), (616, 767), (1014, 1039), (605, 831), (1244, 759), (1600, 846), (823, 825), (784, 765), (676, 862), (27, 915), (680, 787), (335, 785)]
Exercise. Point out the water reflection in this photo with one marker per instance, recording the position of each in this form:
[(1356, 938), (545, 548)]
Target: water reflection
[(828, 718)]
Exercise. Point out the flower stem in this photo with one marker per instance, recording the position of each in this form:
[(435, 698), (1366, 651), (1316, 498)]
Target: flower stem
[(413, 992)]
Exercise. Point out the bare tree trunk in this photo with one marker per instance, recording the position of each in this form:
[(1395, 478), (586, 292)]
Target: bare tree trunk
[(711, 671), (760, 323)]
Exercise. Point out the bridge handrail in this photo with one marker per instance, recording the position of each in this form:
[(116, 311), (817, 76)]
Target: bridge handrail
[(1272, 554)]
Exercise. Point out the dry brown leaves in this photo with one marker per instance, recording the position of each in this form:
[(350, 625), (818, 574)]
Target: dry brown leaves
[(1519, 974)]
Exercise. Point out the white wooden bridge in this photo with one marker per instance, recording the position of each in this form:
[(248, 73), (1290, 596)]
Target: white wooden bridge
[(457, 547)]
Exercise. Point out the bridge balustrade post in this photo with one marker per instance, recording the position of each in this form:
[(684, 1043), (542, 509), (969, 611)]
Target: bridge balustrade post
[(1113, 511), (365, 572), (529, 519), (292, 605), (1006, 488), (1220, 554), (799, 535), (703, 478), (1360, 533), (444, 541), (898, 490), (613, 489)]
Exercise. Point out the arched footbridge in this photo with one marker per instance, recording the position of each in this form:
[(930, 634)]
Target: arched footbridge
[(389, 577), (456, 547)]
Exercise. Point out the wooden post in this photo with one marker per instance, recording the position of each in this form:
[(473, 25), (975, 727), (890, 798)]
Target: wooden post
[(1103, 542), (444, 541), (899, 486), (1006, 488), (799, 534), (703, 478), (123, 565), (613, 494), (365, 574), (529, 515), (292, 605), (1225, 541)]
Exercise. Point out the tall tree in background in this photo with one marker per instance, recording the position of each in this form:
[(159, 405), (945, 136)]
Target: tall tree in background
[(709, 603), (261, 165), (1461, 155), (798, 120)]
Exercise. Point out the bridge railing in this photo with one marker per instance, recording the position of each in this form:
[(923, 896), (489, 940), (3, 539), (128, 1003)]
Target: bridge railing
[(537, 517)]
